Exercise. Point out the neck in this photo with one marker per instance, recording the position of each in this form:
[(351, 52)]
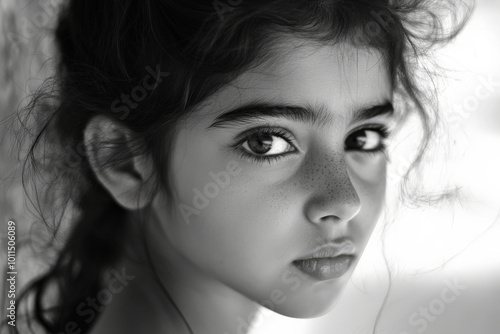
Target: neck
[(166, 290)]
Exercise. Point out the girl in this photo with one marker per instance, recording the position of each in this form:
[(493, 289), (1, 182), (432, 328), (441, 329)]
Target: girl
[(213, 158)]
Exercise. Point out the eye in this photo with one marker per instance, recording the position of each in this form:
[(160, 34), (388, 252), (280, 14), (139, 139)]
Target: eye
[(265, 144), (368, 139)]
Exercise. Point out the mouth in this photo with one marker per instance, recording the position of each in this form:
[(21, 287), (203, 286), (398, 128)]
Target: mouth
[(327, 262)]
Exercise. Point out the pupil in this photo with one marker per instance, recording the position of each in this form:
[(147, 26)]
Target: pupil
[(357, 139), (361, 140), (260, 143)]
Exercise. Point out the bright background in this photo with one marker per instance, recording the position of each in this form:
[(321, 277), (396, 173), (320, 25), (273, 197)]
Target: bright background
[(426, 248)]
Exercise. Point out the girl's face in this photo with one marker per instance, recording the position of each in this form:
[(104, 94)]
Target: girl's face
[(283, 165)]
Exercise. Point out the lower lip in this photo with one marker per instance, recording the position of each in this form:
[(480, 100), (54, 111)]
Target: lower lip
[(325, 268)]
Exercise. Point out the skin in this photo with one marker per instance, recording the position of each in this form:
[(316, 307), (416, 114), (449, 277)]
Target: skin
[(238, 250)]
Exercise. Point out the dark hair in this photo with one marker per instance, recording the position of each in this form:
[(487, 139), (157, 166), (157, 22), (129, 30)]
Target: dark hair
[(191, 49)]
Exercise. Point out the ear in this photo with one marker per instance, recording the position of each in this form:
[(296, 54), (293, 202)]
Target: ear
[(129, 179)]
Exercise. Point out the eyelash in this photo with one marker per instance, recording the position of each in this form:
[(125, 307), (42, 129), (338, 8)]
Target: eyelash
[(383, 131)]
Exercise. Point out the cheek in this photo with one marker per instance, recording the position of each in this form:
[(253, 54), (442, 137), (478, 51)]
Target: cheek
[(231, 222), (222, 222), (368, 175)]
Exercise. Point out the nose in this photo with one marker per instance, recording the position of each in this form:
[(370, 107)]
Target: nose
[(334, 197)]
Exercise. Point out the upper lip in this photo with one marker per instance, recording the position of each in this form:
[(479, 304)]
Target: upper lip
[(331, 250)]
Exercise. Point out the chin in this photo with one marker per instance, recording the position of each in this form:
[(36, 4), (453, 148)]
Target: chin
[(307, 308)]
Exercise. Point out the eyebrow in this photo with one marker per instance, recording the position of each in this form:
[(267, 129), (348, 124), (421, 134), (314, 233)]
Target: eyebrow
[(256, 111)]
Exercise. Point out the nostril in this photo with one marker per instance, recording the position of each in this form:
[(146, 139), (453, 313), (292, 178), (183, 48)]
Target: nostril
[(332, 219)]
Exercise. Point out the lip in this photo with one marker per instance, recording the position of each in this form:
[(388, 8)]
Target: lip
[(327, 262)]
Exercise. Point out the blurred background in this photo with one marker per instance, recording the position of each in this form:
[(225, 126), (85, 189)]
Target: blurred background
[(443, 263)]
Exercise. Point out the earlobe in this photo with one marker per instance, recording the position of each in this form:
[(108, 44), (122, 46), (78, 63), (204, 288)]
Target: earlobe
[(125, 175)]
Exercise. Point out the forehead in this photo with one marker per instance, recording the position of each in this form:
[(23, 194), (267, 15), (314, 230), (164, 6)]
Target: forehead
[(339, 78)]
